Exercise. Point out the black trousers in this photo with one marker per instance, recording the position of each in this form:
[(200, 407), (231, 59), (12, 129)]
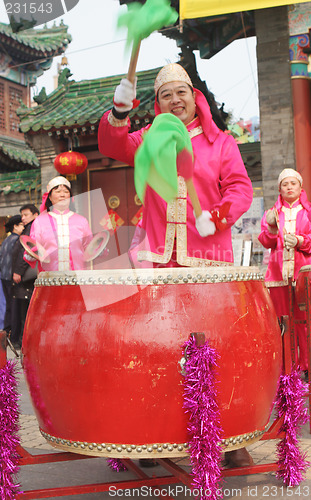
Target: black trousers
[(19, 313)]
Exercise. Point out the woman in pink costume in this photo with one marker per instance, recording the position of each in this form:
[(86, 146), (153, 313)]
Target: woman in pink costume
[(175, 237), (62, 233), (286, 230)]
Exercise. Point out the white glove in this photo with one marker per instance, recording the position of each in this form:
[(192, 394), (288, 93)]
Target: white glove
[(205, 226), (270, 217), (290, 241), (124, 95)]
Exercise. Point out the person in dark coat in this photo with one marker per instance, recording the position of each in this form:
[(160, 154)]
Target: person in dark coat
[(15, 227), (23, 284)]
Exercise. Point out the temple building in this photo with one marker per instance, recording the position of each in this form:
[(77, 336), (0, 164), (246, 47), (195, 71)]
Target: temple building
[(24, 56)]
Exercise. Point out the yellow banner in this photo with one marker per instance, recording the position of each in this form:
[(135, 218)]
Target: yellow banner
[(190, 9)]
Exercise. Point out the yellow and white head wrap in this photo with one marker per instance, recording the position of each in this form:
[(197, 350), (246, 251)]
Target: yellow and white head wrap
[(289, 172), (171, 73)]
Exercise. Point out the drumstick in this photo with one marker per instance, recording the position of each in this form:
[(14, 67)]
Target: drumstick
[(184, 163), (276, 218), (133, 63), (141, 21), (193, 195)]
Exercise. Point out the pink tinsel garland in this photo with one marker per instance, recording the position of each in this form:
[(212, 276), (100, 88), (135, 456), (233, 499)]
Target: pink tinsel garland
[(9, 439), (292, 463), (200, 401), (116, 464)]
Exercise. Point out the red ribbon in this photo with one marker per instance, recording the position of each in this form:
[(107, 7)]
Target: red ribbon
[(219, 216)]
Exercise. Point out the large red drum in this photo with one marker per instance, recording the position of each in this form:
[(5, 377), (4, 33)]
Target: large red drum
[(102, 352)]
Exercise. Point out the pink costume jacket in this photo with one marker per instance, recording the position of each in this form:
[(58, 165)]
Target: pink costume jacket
[(64, 237), (219, 176), (287, 263)]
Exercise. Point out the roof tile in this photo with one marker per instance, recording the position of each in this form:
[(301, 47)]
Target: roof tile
[(20, 181), (44, 41), (18, 150), (80, 103)]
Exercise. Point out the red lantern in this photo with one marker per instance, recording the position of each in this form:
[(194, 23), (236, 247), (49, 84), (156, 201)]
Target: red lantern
[(70, 163)]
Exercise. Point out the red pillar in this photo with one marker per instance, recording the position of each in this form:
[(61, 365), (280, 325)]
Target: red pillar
[(301, 90)]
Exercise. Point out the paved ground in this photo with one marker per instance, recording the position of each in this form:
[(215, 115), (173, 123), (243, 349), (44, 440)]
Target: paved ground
[(95, 470)]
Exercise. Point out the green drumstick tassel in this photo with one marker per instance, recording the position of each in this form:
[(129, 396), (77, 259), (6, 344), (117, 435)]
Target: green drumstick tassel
[(142, 20), (166, 146)]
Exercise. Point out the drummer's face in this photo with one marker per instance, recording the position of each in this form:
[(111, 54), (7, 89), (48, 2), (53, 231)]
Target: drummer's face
[(290, 189), (60, 198), (179, 99)]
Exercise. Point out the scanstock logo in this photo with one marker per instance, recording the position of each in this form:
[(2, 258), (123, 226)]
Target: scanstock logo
[(25, 14)]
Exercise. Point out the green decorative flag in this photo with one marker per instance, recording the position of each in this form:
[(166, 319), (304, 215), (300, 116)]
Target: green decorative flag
[(142, 20), (156, 159)]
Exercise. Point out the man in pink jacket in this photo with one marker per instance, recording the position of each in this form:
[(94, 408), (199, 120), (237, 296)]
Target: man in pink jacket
[(174, 235), (286, 230)]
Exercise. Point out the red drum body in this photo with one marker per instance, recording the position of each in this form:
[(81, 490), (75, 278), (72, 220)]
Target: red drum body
[(302, 287), (102, 352)]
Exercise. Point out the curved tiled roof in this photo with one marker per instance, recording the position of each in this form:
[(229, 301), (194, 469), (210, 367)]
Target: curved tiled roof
[(76, 104), (17, 151), (20, 181), (30, 43)]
